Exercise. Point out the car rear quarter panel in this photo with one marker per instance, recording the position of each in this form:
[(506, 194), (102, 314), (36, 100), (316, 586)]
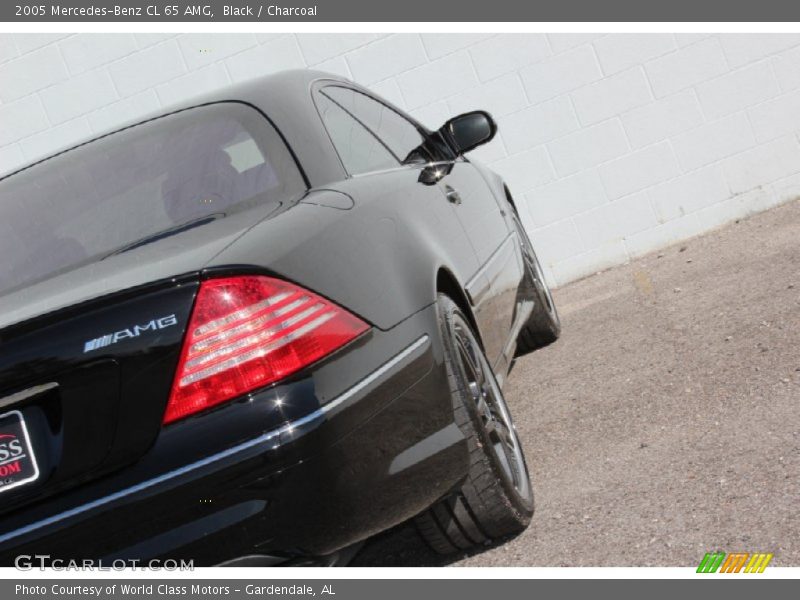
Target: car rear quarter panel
[(378, 258)]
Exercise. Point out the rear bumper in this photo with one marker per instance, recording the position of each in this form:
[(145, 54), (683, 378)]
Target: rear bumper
[(358, 445)]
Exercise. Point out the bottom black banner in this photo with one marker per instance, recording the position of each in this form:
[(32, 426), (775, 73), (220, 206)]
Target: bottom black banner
[(395, 589)]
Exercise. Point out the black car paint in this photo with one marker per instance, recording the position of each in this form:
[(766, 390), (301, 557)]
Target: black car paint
[(377, 244)]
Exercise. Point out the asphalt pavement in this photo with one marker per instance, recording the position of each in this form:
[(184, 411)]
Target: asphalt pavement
[(666, 421)]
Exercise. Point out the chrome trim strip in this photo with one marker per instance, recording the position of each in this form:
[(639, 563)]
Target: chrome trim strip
[(404, 167), (25, 394), (477, 294), (376, 375), (492, 258)]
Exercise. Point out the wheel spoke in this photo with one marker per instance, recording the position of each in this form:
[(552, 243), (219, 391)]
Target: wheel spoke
[(506, 435), (502, 455), (469, 358), (484, 410), (475, 374), (509, 457), (497, 414), (490, 407)]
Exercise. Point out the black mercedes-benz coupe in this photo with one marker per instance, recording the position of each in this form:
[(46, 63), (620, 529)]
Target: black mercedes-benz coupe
[(262, 327)]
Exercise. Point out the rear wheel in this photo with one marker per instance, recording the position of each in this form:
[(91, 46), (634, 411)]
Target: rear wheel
[(543, 326), (496, 500)]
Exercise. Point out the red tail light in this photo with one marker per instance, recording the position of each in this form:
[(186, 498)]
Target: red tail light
[(248, 332)]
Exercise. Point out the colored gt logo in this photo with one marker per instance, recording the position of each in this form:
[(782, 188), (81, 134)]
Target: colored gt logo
[(713, 561)]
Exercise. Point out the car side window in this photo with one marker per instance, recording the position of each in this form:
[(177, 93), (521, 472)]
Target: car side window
[(399, 135), (359, 149)]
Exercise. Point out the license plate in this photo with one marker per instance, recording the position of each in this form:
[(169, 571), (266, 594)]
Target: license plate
[(17, 462)]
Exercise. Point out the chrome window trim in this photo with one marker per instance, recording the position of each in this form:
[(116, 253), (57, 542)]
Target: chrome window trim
[(411, 166)]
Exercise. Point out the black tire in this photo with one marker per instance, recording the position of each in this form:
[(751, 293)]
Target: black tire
[(496, 499), (544, 325)]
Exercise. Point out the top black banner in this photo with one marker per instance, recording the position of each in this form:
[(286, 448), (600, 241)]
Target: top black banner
[(399, 11)]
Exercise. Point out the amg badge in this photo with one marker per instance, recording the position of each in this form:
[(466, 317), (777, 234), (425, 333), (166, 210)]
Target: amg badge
[(132, 332)]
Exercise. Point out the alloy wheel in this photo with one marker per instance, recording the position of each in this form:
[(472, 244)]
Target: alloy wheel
[(492, 411)]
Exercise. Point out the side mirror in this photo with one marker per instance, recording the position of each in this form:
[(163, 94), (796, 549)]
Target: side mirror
[(468, 131)]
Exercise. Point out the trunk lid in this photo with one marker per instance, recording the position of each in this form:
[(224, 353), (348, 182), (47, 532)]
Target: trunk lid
[(88, 355), (91, 383)]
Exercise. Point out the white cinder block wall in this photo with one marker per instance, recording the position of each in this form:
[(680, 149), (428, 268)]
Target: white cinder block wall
[(614, 145)]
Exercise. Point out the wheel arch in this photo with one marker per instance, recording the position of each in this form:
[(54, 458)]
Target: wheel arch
[(510, 198), (448, 284)]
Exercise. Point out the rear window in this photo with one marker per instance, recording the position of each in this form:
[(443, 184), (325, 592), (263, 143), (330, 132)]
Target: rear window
[(148, 181)]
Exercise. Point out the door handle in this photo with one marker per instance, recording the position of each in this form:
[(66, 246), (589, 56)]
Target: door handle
[(452, 195)]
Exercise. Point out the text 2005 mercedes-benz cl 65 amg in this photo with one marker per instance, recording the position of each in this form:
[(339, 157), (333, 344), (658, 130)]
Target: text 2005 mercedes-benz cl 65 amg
[(262, 327)]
